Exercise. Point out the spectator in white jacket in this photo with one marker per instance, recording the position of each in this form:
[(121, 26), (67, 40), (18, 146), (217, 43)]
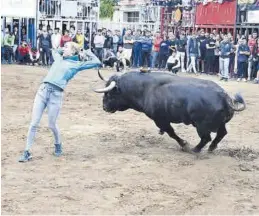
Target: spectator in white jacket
[(56, 39), (98, 44)]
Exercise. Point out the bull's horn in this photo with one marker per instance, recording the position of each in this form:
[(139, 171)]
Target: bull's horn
[(107, 89), (101, 77)]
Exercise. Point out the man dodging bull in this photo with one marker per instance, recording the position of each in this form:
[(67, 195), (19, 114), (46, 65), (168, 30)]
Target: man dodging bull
[(166, 98)]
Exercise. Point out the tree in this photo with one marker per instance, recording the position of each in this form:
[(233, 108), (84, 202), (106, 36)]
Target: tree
[(107, 8)]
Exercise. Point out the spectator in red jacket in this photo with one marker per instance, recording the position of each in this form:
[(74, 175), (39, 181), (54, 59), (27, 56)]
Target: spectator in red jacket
[(23, 53), (65, 38)]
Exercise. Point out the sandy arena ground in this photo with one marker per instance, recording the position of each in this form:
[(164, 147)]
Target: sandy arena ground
[(118, 163)]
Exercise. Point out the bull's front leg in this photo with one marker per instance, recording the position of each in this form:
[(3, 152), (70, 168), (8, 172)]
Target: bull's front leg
[(166, 127)]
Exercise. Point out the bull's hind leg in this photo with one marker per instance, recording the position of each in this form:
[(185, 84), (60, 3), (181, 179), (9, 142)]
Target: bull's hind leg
[(205, 138), (220, 135), (166, 127)]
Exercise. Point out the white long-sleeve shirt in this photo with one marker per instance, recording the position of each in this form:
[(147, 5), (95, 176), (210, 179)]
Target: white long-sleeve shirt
[(174, 60), (55, 40), (99, 41)]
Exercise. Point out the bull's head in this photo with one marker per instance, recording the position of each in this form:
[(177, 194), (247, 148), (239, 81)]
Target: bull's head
[(113, 99)]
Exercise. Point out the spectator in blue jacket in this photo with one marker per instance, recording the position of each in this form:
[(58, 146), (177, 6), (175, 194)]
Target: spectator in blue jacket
[(146, 42), (224, 53), (45, 46), (50, 93), (163, 52), (243, 54)]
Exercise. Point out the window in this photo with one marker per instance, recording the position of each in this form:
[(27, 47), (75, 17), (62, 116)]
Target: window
[(131, 17)]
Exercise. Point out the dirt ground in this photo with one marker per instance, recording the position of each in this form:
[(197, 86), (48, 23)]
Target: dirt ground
[(118, 163)]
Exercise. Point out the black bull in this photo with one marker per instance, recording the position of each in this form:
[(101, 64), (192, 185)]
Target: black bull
[(167, 98)]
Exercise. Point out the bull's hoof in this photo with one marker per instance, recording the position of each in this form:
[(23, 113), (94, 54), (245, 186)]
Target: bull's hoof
[(161, 132), (187, 147), (196, 150), (211, 149)]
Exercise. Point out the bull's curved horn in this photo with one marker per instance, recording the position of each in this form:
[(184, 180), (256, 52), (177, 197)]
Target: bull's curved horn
[(101, 77), (106, 89)]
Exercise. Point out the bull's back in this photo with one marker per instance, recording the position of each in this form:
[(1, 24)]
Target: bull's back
[(188, 103)]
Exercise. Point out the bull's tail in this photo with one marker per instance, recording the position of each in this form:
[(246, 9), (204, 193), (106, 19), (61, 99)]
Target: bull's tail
[(238, 99)]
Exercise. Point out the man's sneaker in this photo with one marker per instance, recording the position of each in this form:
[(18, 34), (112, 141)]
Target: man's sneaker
[(25, 157), (238, 79), (244, 80), (58, 150)]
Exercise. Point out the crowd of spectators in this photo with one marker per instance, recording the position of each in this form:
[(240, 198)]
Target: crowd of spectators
[(192, 52)]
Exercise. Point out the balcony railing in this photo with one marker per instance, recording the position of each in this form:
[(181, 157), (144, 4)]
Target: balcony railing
[(80, 9)]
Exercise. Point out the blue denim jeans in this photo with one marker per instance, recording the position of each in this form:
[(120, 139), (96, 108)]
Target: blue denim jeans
[(50, 97), (224, 67), (154, 58), (137, 58)]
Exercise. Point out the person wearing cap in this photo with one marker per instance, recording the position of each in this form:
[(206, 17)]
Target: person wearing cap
[(50, 93), (173, 62)]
